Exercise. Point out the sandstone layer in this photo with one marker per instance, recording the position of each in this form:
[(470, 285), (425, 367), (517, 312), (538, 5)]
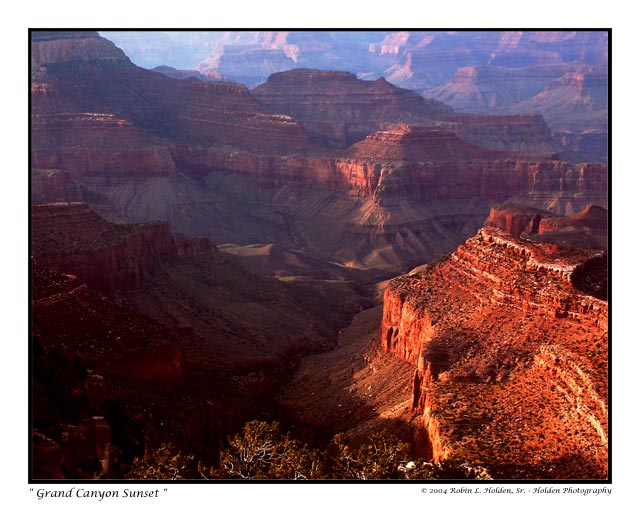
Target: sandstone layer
[(511, 356)]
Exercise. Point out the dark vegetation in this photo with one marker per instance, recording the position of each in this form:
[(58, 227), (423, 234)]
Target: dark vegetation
[(263, 452)]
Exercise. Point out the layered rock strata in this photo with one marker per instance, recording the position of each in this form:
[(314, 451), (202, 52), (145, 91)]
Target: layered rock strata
[(511, 356), (337, 107), (516, 220), (70, 237), (95, 113), (434, 163), (212, 161), (588, 228)]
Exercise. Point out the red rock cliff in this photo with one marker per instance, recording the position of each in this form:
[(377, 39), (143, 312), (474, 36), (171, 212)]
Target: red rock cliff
[(433, 164), (511, 357), (588, 228), (516, 220), (69, 237)]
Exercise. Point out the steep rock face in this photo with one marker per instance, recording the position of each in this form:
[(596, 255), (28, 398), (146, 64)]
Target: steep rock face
[(511, 357), (431, 163), (516, 220), (56, 47), (588, 228), (69, 237), (337, 107), (593, 218)]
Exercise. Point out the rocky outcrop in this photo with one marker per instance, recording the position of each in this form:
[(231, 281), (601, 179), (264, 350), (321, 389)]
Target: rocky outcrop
[(593, 218), (510, 355), (421, 144), (516, 220), (586, 229), (338, 108), (69, 237)]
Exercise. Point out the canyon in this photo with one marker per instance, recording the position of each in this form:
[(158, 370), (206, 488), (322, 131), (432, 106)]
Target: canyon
[(561, 75), (163, 330), (204, 254)]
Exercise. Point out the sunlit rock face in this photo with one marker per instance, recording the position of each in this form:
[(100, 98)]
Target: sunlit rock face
[(510, 351)]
